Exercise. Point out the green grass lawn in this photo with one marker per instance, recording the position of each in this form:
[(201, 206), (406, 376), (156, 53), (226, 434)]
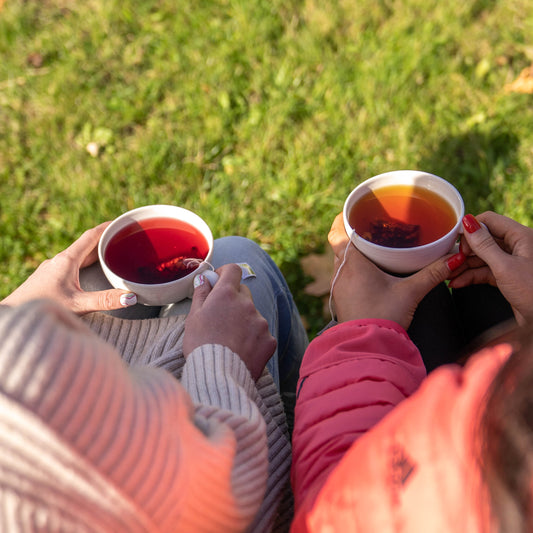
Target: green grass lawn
[(260, 115)]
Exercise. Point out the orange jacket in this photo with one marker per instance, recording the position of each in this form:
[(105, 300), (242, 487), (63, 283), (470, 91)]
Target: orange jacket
[(361, 462)]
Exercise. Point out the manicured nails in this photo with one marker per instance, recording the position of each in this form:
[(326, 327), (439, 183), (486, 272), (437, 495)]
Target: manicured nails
[(199, 280), (470, 223), (455, 261), (129, 299)]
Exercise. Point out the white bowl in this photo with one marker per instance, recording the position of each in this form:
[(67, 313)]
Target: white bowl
[(155, 293), (406, 260)]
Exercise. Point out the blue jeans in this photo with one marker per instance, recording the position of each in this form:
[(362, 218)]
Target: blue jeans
[(274, 301), (271, 296)]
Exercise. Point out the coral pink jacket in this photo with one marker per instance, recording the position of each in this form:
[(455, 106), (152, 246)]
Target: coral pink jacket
[(361, 462)]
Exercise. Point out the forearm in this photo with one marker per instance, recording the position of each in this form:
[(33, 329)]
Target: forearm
[(224, 392), (351, 377)]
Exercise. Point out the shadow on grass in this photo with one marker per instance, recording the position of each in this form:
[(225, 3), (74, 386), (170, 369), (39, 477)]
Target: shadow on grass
[(478, 7), (310, 307), (474, 162)]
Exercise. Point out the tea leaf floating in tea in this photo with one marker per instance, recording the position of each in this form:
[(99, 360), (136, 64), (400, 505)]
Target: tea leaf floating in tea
[(401, 216), (155, 250), (393, 233), (174, 268)]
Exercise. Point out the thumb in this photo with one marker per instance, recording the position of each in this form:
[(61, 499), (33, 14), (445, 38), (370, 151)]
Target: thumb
[(337, 236), (202, 288), (482, 243), (432, 275), (107, 300)]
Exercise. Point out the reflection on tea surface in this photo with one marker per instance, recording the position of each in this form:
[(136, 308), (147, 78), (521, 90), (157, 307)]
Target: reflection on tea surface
[(155, 250), (402, 216)]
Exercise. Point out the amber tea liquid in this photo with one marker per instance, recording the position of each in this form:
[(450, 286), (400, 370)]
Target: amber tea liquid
[(402, 216)]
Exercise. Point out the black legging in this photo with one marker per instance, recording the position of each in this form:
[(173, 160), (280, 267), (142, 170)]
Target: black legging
[(449, 323)]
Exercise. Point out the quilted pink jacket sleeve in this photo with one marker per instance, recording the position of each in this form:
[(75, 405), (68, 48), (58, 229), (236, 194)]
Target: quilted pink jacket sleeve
[(351, 377)]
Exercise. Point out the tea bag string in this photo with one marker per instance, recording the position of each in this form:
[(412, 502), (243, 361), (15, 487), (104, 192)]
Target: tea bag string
[(190, 261), (331, 311)]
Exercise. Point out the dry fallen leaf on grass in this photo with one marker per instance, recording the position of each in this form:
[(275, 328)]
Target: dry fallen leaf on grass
[(35, 59), (523, 84), (320, 268)]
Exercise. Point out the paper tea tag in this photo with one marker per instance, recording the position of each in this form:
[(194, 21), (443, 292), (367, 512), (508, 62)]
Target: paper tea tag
[(247, 271)]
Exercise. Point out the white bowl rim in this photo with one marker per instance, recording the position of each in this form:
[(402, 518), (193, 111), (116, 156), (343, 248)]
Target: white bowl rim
[(406, 173), (128, 214)]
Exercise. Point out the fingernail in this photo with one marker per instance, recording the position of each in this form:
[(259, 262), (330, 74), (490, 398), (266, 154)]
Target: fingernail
[(470, 223), (455, 261), (199, 280), (127, 300)]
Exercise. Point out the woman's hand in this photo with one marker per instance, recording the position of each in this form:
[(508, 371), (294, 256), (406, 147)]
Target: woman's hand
[(226, 315), (499, 252), (58, 279), (362, 290)]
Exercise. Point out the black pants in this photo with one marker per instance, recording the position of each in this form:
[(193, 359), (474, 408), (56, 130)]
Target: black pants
[(449, 324)]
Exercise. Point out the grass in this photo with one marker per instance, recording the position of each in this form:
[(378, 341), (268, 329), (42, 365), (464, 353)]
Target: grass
[(260, 115)]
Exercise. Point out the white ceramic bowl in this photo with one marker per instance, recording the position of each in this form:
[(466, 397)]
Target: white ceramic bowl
[(406, 260), (160, 293)]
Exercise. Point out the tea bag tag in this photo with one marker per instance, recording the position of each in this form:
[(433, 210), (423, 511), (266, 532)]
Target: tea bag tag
[(246, 271)]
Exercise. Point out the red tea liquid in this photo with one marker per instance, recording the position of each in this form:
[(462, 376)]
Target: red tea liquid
[(152, 251), (402, 216)]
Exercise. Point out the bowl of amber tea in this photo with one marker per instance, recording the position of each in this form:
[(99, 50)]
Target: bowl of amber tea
[(156, 251), (404, 220)]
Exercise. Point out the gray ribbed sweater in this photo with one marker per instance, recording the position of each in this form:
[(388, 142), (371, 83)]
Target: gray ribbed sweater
[(88, 443)]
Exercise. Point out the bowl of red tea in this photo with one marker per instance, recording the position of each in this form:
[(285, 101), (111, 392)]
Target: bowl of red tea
[(404, 220), (156, 251)]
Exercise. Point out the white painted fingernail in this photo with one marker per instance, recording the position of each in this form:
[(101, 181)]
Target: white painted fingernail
[(127, 300), (198, 280)]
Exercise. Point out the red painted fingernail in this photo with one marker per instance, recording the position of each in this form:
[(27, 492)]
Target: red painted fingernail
[(455, 261), (470, 223)]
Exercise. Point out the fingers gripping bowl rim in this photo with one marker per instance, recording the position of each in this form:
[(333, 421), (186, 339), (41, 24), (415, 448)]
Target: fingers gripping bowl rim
[(405, 260), (155, 293)]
